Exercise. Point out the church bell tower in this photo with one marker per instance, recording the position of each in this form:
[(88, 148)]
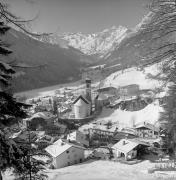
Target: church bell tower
[(88, 89)]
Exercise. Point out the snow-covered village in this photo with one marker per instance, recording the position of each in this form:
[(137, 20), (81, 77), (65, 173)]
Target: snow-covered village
[(86, 104)]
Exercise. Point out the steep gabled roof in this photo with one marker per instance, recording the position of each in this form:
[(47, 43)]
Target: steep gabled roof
[(61, 146), (144, 125), (55, 150), (83, 99), (125, 147)]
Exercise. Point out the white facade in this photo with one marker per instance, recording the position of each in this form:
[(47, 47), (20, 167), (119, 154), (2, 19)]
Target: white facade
[(71, 156), (65, 154), (79, 137), (130, 155), (81, 109), (125, 148)]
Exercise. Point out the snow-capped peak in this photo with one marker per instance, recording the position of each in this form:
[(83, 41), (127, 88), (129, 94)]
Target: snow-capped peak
[(98, 44)]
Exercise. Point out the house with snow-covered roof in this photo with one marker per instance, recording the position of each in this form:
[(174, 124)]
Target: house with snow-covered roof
[(65, 154), (147, 130), (128, 148)]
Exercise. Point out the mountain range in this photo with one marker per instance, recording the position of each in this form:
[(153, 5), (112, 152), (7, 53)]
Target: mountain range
[(57, 59), (95, 44)]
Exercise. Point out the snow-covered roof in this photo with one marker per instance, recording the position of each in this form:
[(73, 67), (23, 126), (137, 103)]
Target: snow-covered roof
[(147, 126), (16, 134), (44, 115), (125, 146), (59, 147), (55, 149)]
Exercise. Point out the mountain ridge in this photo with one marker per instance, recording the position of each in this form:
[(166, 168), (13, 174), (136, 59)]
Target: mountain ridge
[(43, 64), (95, 44)]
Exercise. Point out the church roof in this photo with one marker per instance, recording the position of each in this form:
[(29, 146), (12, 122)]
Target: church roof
[(82, 98)]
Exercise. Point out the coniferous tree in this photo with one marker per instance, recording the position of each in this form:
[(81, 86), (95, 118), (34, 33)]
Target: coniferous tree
[(161, 26), (12, 154), (10, 110), (168, 116)]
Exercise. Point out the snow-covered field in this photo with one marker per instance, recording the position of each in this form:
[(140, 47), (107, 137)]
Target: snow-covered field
[(106, 170), (124, 118), (134, 76)]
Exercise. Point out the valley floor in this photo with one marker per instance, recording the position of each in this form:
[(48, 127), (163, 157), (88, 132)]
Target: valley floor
[(45, 91)]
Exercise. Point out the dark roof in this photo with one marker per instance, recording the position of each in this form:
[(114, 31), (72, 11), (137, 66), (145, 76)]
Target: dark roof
[(88, 80), (106, 89), (81, 97), (123, 135), (130, 85)]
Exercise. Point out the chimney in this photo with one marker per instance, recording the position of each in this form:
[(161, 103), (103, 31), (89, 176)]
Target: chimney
[(123, 142)]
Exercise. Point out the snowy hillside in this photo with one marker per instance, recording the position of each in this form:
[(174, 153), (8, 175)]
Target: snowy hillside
[(149, 114), (135, 76), (98, 44), (130, 76)]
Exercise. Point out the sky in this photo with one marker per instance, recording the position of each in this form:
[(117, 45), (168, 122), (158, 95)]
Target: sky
[(86, 16)]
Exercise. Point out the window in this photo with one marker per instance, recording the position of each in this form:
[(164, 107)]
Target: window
[(155, 133), (67, 152)]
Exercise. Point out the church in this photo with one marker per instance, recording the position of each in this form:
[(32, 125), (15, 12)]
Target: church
[(83, 104)]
